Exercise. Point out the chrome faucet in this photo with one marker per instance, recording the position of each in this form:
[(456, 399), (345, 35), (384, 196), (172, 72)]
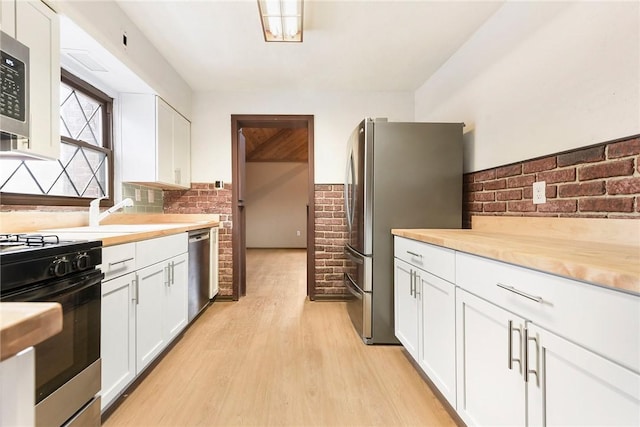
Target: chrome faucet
[(94, 210)]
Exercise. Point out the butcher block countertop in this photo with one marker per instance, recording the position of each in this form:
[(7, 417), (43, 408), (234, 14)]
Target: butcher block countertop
[(116, 229), (600, 251), (25, 324)]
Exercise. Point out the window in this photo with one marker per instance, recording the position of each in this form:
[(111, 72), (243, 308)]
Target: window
[(85, 168)]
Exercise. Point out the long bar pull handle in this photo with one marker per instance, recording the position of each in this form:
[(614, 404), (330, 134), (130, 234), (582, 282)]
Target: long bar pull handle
[(414, 254), (136, 283), (418, 285), (519, 292), (167, 275), (510, 345), (122, 261), (412, 284), (527, 358), (173, 272)]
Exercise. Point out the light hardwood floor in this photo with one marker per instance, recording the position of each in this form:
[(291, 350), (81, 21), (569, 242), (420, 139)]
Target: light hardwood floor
[(275, 358)]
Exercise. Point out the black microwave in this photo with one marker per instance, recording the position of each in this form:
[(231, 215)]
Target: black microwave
[(14, 94)]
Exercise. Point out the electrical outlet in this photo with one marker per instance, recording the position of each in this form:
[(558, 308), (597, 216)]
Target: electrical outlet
[(138, 195), (298, 233), (539, 192)]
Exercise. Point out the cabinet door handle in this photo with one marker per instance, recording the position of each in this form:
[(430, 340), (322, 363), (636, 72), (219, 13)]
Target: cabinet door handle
[(122, 261), (414, 254), (411, 283), (173, 272), (167, 275), (527, 358), (417, 285), (135, 283), (519, 292), (510, 345)]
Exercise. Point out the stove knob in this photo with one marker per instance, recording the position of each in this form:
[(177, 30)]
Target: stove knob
[(60, 267), (82, 261)]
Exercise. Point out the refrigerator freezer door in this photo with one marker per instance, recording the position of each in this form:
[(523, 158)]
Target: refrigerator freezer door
[(359, 309)]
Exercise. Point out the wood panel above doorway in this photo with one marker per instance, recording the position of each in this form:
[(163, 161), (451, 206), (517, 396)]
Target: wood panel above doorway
[(277, 144)]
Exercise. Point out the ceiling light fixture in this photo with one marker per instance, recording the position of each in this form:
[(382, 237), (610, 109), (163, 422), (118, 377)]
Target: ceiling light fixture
[(281, 20)]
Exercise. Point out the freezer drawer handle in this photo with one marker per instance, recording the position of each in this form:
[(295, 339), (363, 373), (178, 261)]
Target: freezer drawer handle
[(414, 254), (518, 292)]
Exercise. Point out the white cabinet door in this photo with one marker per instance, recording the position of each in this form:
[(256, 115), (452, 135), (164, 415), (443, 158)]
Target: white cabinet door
[(38, 27), (438, 333), (164, 149), (150, 336), (156, 142), (578, 387), (8, 17), (176, 298), (406, 307), (488, 392), (118, 336), (181, 150)]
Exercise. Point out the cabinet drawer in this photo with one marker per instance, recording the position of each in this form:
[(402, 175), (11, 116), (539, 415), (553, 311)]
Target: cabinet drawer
[(118, 260), (603, 320), (151, 251), (436, 260)]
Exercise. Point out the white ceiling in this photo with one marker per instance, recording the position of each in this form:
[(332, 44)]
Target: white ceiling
[(348, 45)]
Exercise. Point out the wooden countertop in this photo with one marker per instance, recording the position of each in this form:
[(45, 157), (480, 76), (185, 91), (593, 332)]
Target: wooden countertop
[(24, 324), (615, 264)]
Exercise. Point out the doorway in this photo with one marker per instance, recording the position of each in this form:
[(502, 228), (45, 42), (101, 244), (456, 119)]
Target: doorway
[(271, 131)]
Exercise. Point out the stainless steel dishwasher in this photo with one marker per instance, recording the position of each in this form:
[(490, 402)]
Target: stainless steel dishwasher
[(199, 271)]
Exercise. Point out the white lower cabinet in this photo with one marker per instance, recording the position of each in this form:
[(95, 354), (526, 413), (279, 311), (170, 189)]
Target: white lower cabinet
[(149, 314), (118, 335), (143, 309), (574, 386), (424, 308), (176, 297), (406, 307), (528, 348), (489, 392)]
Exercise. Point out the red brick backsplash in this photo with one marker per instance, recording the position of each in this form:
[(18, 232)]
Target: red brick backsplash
[(204, 198), (330, 237), (598, 181)]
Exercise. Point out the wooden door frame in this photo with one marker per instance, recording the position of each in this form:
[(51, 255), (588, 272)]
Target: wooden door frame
[(238, 121)]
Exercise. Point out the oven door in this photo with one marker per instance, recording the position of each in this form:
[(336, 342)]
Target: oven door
[(67, 364)]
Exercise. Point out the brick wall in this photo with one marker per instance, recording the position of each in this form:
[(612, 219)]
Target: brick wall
[(601, 181), (331, 233), (206, 199)]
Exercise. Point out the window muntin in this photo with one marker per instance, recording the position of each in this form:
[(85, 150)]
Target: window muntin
[(84, 170)]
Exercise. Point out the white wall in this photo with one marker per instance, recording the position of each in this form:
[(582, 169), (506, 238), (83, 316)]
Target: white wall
[(106, 22), (335, 116), (539, 78), (276, 205)]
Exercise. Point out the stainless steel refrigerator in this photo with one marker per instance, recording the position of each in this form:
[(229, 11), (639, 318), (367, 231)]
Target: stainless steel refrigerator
[(399, 175)]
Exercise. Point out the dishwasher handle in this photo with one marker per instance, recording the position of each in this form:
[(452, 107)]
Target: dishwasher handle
[(198, 235)]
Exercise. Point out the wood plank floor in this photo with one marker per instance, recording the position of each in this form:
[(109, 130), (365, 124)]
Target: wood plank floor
[(275, 358)]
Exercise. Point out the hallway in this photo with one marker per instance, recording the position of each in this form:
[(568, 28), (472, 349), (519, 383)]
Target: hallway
[(274, 358)]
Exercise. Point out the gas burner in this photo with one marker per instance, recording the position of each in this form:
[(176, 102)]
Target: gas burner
[(35, 240)]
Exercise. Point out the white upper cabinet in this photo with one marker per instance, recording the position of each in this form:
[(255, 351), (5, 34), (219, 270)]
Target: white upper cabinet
[(156, 142), (35, 25)]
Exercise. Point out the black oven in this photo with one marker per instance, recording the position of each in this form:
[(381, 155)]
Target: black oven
[(67, 364)]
